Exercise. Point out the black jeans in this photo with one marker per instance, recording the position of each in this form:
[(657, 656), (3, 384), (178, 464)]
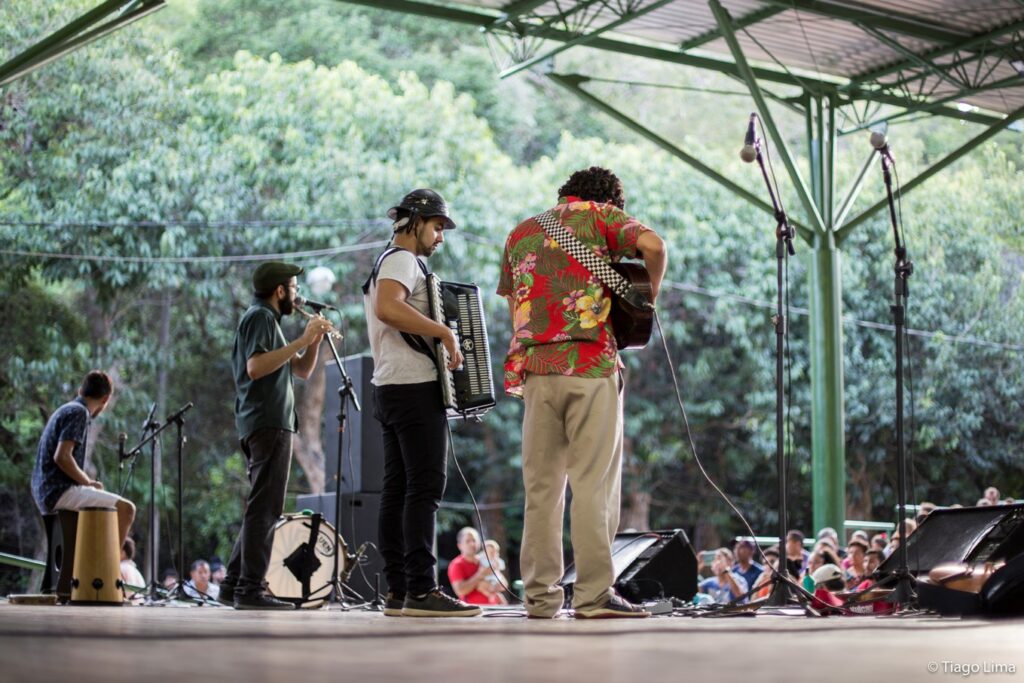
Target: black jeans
[(268, 456), (415, 433)]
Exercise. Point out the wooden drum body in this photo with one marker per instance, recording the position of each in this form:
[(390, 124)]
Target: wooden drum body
[(96, 579)]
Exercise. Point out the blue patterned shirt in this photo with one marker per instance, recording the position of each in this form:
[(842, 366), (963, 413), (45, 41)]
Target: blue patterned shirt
[(69, 423)]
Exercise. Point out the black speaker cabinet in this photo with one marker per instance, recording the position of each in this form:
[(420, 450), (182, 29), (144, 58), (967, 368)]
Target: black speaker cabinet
[(971, 535), (363, 454), (359, 515), (650, 565)]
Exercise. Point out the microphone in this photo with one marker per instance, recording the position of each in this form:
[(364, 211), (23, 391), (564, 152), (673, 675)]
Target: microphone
[(749, 151), (181, 411), (149, 424), (315, 305), (880, 142), (121, 439)]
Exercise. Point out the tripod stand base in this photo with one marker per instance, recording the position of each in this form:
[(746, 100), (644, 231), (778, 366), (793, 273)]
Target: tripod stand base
[(904, 593)]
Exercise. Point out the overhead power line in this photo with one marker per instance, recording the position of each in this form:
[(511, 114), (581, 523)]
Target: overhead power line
[(232, 258), (799, 310)]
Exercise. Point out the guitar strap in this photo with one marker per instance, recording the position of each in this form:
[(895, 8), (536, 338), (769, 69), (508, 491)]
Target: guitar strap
[(591, 261)]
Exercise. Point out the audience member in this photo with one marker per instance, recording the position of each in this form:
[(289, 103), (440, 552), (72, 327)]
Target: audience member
[(725, 584), (496, 581), (894, 542), (199, 586), (169, 578), (819, 558), (796, 554), (854, 562), (467, 574), (217, 570), (879, 541), (130, 573), (828, 579), (745, 565), (763, 583), (992, 495), (827, 532)]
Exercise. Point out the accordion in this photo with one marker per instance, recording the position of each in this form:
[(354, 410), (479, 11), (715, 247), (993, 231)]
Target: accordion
[(467, 391)]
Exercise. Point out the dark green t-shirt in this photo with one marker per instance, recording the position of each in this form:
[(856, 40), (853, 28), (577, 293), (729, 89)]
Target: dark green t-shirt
[(268, 401)]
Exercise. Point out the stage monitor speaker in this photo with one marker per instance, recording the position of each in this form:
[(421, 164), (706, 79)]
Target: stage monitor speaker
[(363, 455), (359, 515), (963, 535), (650, 565)]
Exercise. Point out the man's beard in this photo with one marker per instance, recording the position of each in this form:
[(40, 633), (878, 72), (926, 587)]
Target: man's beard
[(287, 306)]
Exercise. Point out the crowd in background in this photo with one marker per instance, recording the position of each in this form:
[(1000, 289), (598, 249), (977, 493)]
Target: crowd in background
[(825, 566)]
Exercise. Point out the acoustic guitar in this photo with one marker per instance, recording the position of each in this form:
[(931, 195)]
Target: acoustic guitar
[(632, 326)]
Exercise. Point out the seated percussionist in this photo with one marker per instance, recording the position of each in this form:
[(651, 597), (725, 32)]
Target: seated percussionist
[(58, 480)]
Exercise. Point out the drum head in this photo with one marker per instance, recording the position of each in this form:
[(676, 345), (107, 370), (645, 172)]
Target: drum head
[(291, 560)]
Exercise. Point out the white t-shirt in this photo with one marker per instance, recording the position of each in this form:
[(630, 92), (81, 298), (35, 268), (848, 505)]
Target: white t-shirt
[(394, 361)]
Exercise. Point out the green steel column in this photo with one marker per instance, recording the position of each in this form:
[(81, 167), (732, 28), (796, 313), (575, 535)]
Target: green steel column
[(828, 418)]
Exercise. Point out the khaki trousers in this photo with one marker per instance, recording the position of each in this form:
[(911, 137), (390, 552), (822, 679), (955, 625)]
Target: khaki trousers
[(572, 431)]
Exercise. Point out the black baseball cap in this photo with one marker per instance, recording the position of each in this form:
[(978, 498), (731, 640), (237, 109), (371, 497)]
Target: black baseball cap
[(269, 275), (426, 203)]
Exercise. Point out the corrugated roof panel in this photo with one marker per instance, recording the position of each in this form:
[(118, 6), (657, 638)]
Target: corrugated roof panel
[(813, 42)]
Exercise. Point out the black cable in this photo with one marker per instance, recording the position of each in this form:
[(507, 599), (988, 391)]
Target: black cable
[(476, 510), (346, 447), (696, 458)]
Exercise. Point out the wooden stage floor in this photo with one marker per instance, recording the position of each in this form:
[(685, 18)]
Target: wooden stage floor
[(207, 644)]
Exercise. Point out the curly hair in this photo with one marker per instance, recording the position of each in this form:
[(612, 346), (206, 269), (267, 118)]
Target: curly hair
[(595, 184)]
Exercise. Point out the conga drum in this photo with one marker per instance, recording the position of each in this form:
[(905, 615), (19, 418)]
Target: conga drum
[(96, 579)]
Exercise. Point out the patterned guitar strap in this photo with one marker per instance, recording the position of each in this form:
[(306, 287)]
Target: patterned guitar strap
[(592, 261)]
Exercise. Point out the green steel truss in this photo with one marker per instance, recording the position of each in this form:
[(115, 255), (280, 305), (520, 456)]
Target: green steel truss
[(928, 83), (93, 25)]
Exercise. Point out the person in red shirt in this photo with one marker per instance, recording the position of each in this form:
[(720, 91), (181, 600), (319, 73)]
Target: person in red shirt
[(563, 362), (467, 574)]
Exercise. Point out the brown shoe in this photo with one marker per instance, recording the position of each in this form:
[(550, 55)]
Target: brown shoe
[(614, 608)]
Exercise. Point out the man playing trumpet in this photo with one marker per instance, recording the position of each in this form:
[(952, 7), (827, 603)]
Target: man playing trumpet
[(265, 418)]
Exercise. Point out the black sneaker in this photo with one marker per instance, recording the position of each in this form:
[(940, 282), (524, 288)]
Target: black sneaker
[(260, 601), (614, 608), (437, 604), (393, 605), (226, 595)]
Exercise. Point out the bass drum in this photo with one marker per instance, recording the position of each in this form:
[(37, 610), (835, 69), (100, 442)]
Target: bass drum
[(302, 560)]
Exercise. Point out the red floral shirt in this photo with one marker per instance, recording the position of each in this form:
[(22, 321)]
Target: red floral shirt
[(560, 320)]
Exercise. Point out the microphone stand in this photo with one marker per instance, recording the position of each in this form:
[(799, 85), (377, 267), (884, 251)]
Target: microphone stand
[(178, 592), (151, 430), (904, 592), (782, 585), (346, 391)]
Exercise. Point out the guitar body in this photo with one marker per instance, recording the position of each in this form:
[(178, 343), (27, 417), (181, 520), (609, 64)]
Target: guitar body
[(632, 326)]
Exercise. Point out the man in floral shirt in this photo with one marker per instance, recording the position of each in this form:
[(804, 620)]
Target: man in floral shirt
[(563, 363)]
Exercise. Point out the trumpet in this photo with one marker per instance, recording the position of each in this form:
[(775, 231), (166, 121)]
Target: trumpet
[(332, 331)]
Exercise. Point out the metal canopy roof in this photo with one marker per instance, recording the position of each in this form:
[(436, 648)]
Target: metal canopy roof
[(903, 52)]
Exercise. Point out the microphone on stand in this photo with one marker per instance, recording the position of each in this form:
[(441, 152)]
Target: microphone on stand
[(181, 411), (122, 438), (880, 142), (149, 423), (749, 151), (315, 305)]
